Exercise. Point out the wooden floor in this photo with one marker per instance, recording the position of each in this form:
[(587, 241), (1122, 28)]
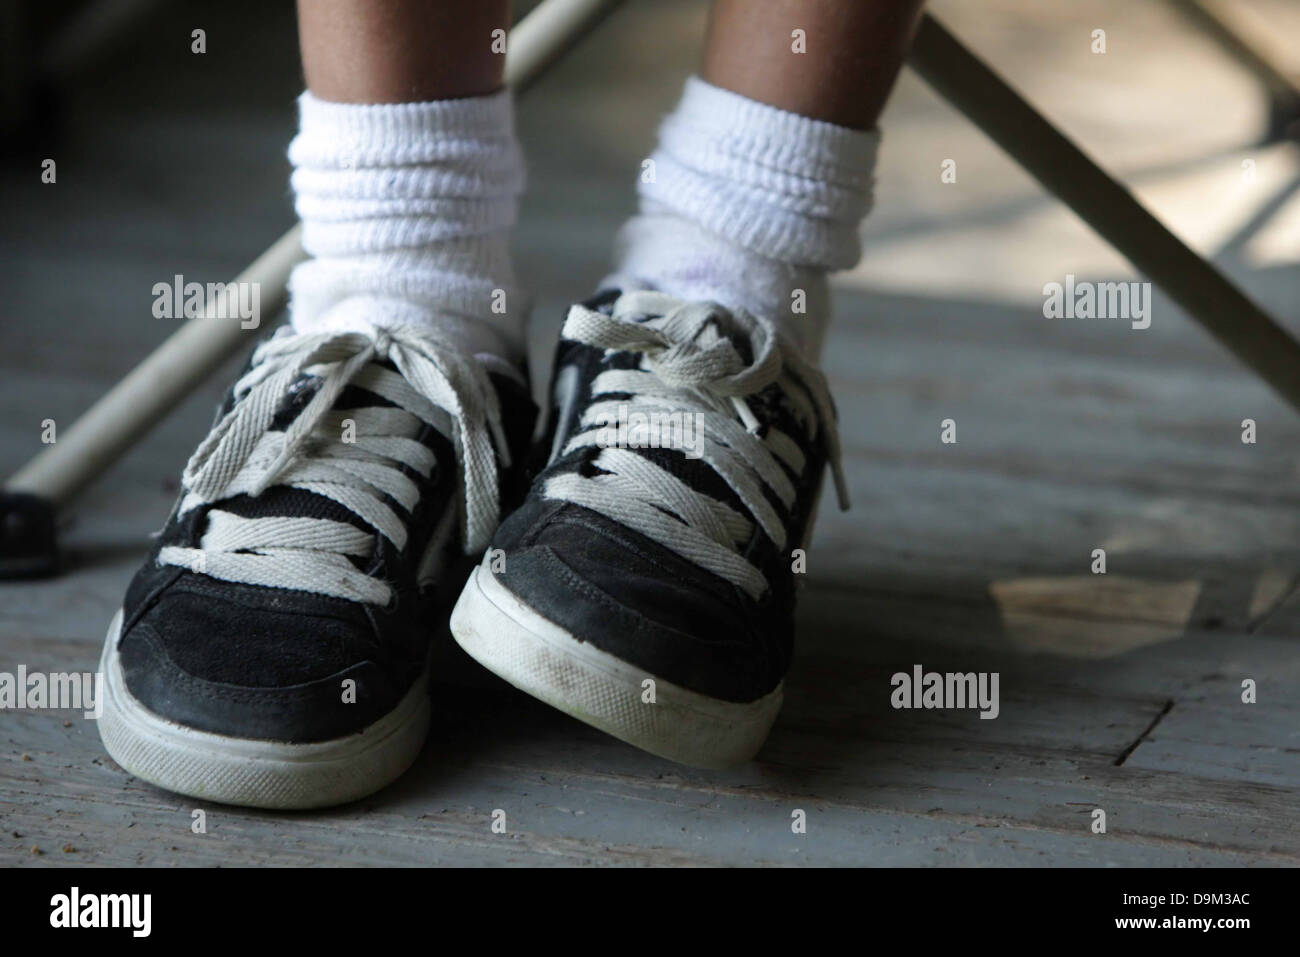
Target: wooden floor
[(1119, 691)]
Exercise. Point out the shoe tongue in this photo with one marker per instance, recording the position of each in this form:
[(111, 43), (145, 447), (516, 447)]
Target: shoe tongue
[(306, 386), (770, 409), (718, 327), (695, 473), (281, 501)]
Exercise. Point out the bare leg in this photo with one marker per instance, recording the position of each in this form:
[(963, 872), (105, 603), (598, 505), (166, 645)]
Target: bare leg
[(854, 50), (401, 51)]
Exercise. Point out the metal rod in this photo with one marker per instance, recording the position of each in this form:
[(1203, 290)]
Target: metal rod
[(153, 388), (1105, 205)]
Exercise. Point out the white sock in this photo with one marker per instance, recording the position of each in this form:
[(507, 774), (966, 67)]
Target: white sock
[(407, 210), (749, 206)]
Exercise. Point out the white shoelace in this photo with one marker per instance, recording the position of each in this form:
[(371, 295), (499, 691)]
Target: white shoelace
[(689, 364), (434, 384)]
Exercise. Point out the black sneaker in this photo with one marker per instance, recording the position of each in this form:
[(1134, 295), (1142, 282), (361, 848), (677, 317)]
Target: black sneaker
[(273, 650), (649, 591)]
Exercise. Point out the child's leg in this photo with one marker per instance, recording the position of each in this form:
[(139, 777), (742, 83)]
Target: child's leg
[(764, 171), (401, 51), (406, 171), (647, 584), (274, 648), (854, 53)]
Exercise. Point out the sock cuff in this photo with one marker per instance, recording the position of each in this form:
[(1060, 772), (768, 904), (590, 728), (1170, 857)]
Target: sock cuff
[(358, 135), (765, 135), (782, 185), (407, 209), (393, 176)]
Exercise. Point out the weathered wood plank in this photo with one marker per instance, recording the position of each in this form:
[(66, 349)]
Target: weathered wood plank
[(1212, 733), (1018, 789), (878, 805)]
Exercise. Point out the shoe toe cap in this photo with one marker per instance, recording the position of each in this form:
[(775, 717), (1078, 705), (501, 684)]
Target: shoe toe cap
[(614, 588), (252, 672)]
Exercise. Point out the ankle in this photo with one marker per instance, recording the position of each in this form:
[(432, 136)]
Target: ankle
[(750, 206), (407, 211)]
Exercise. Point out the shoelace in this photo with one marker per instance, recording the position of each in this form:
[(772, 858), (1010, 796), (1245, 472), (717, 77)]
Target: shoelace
[(433, 384), (690, 363)]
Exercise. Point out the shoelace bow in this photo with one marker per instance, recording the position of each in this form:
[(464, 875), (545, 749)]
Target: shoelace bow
[(690, 363), (441, 387)]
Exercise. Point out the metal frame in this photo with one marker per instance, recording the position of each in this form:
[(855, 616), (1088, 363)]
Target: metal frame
[(1110, 209)]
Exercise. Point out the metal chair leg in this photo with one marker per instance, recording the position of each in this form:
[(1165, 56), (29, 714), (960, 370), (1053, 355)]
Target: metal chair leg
[(1105, 205)]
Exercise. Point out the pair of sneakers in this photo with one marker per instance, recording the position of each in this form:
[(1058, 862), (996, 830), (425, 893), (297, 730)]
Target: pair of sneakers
[(274, 650)]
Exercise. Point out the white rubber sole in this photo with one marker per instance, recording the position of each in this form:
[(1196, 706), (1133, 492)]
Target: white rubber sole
[(256, 773), (539, 657)]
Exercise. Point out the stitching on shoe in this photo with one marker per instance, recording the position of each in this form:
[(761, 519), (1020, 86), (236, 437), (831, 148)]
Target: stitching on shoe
[(580, 520), (201, 587), (639, 622), (180, 679)]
